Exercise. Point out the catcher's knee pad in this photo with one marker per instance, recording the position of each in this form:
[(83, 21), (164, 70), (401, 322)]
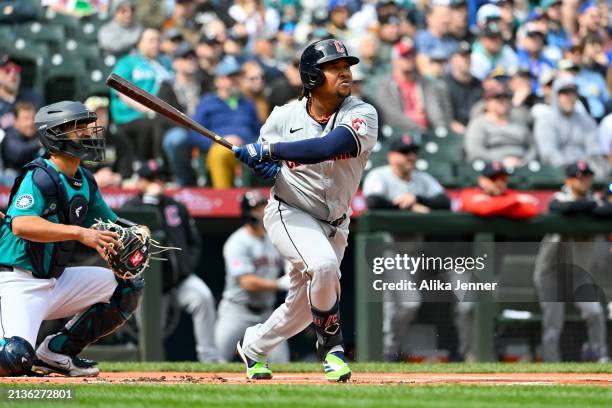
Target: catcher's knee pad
[(16, 357), (100, 319), (327, 326)]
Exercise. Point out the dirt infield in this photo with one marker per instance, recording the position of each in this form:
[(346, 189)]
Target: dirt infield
[(317, 378)]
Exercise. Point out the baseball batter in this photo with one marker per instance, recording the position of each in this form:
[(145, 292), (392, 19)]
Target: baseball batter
[(50, 209), (252, 265), (323, 141)]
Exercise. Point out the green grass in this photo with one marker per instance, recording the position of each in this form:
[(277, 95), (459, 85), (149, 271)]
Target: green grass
[(370, 367), (336, 396)]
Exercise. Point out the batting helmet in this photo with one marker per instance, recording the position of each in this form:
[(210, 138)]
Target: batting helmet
[(50, 121), (250, 200), (317, 54), (16, 357)]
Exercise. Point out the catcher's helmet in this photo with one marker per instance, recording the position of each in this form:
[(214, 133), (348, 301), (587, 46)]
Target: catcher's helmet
[(317, 54), (50, 121), (250, 200), (16, 356)]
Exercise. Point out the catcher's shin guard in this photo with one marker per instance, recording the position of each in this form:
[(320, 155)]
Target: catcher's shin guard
[(327, 326), (100, 319)]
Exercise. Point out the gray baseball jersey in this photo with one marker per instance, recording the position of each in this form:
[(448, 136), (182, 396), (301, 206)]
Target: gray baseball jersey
[(381, 181), (244, 254), (323, 190)]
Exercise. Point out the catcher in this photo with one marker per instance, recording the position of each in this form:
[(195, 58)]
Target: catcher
[(51, 208)]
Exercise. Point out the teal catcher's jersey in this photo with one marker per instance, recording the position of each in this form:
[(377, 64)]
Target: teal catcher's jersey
[(30, 201)]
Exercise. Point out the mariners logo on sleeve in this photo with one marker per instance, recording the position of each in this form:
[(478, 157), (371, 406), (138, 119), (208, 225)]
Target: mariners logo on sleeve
[(24, 201), (360, 126)]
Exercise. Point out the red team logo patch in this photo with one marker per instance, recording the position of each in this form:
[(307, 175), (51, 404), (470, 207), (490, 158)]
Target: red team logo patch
[(136, 258), (360, 126)]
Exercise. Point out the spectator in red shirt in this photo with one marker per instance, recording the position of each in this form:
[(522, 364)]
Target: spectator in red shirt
[(493, 198)]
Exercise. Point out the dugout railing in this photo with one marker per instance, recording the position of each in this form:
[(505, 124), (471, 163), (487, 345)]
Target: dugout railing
[(371, 230)]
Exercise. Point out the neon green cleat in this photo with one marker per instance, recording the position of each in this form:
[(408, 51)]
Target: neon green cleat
[(336, 367), (254, 369)]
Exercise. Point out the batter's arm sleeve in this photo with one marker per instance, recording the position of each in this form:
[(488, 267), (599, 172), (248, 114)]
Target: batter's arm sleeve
[(316, 150)]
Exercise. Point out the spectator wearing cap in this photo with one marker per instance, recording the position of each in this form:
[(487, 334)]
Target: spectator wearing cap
[(531, 43), (120, 35), (493, 198), (288, 87), (183, 92), (229, 114), (492, 136), (170, 41), (389, 33), (551, 273), (339, 13), (209, 52), (252, 86), (183, 20), (407, 100), (518, 113), (565, 133), (436, 35), (458, 27), (556, 36), (179, 279), (464, 89), (134, 121), (438, 63), (20, 144), (590, 77), (11, 91), (399, 186), (589, 20), (490, 52)]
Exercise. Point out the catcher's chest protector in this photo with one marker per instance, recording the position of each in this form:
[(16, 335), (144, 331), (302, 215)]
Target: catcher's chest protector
[(72, 212)]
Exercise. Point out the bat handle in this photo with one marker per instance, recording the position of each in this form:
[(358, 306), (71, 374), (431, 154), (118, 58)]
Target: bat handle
[(235, 148)]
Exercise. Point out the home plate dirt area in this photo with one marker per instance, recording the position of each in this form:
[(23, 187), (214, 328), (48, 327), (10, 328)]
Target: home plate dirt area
[(603, 379)]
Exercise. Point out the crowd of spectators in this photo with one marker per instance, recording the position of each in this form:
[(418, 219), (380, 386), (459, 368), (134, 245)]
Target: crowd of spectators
[(515, 81)]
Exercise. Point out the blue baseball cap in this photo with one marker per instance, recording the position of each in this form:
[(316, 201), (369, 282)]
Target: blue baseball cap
[(228, 66)]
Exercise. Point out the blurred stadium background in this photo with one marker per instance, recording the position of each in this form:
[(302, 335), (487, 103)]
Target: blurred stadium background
[(54, 50)]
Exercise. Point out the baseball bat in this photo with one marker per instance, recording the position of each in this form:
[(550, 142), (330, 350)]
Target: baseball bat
[(157, 105)]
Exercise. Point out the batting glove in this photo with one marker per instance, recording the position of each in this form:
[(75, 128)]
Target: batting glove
[(254, 153), (267, 170)]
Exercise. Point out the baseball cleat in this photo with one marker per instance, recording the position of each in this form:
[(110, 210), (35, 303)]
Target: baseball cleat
[(254, 369), (48, 362), (336, 367)]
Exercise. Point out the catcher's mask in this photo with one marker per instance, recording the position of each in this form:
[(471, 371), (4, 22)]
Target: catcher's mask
[(61, 131), (251, 200)]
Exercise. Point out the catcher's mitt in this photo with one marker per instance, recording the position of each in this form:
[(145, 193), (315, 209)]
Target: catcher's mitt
[(134, 254)]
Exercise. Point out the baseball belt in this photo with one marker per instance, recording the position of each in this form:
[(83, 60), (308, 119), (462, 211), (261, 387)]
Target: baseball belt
[(333, 223)]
